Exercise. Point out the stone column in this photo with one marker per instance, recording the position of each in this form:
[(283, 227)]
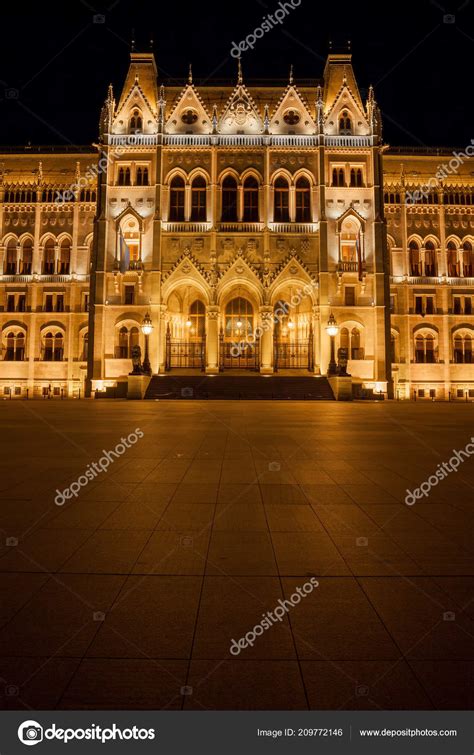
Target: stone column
[(161, 340), (212, 340), (316, 340), (266, 341)]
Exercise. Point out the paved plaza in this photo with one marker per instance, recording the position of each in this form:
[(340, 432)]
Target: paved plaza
[(130, 595)]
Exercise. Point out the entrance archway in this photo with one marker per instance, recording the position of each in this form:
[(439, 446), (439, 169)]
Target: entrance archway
[(239, 345)]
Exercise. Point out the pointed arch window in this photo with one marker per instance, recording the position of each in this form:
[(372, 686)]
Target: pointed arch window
[(136, 122), (238, 319), (357, 178), (453, 263), (303, 200), (198, 200), (141, 178), (229, 199), (394, 349), (122, 349), (425, 351), (350, 341), (127, 339), (344, 339), (281, 210), (467, 260), (430, 259), (197, 320), (49, 258), (177, 189), (27, 257), (14, 347), (65, 257), (251, 212), (85, 347), (11, 258), (414, 258), (345, 123), (123, 178), (53, 347), (462, 349), (338, 177), (356, 351)]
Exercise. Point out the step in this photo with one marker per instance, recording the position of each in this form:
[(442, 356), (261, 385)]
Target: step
[(236, 387)]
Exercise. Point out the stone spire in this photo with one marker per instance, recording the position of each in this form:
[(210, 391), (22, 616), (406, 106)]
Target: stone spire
[(266, 120), (214, 119), (239, 72)]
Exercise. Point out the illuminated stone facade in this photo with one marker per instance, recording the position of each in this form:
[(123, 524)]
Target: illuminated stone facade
[(239, 218)]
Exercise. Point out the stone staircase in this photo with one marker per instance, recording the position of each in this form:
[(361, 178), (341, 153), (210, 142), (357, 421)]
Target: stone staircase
[(240, 387)]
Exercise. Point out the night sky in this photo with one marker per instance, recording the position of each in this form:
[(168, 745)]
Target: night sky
[(56, 62)]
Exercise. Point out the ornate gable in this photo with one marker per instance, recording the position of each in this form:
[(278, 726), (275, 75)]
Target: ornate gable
[(189, 114), (240, 115), (135, 99), (292, 267), (186, 269), (292, 115), (240, 267), (346, 101)]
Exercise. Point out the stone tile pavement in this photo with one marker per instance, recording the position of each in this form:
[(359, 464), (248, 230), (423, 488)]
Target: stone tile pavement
[(129, 595)]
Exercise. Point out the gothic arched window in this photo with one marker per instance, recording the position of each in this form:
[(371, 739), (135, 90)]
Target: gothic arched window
[(136, 122), (345, 123), (414, 258), (430, 259), (453, 263), (27, 257), (11, 258), (281, 205), (198, 200), (229, 199), (65, 257), (303, 200), (251, 214), (177, 189)]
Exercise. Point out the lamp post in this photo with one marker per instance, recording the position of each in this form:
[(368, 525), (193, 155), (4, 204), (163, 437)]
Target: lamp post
[(332, 329), (147, 328)]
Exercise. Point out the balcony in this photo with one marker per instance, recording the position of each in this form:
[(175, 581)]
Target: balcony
[(349, 266)]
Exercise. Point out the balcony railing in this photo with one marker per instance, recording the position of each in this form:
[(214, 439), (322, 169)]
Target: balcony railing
[(240, 227), (186, 227), (293, 227), (133, 140), (349, 266), (416, 280), (348, 141), (16, 278), (294, 140)]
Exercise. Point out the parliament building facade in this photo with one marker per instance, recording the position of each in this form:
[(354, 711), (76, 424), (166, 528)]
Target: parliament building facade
[(240, 219)]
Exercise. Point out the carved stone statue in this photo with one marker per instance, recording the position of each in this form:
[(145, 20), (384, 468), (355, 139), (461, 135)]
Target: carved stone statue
[(137, 360)]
